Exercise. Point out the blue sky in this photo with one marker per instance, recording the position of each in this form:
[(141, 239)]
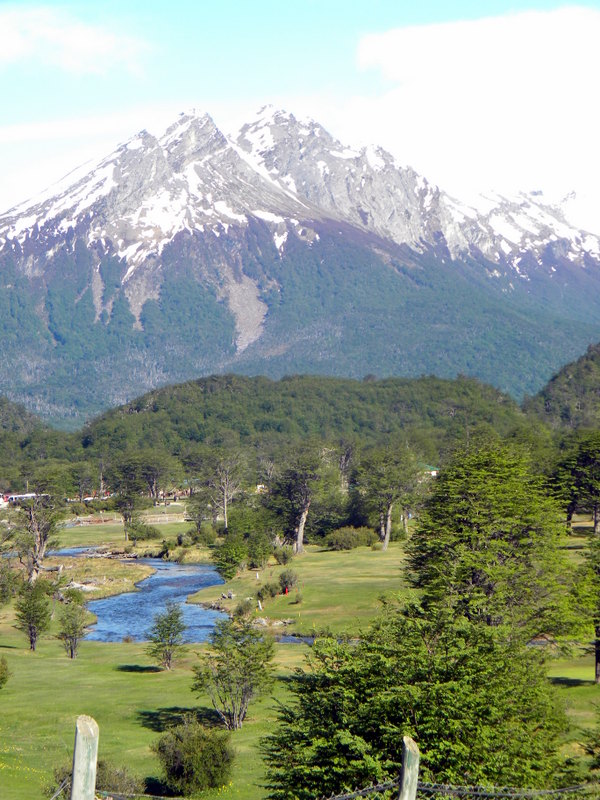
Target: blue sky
[(469, 93)]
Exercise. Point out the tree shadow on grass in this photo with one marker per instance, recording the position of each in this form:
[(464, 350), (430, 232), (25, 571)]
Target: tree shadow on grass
[(569, 682), (160, 719), (137, 668)]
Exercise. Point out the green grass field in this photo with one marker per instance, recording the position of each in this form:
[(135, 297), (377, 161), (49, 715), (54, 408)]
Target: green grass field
[(133, 702), (338, 591)]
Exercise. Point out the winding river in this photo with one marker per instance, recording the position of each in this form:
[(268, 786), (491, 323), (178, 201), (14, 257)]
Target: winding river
[(131, 614)]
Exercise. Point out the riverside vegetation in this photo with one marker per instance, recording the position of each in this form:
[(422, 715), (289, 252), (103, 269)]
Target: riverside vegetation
[(315, 499)]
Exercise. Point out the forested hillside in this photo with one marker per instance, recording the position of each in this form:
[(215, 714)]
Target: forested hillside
[(258, 415), (430, 413), (571, 399)]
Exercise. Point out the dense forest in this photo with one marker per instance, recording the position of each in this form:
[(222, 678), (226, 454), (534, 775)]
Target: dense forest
[(262, 417)]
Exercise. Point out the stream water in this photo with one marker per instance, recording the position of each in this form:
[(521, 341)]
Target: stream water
[(131, 614)]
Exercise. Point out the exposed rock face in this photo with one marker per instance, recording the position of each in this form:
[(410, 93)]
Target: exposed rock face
[(279, 249)]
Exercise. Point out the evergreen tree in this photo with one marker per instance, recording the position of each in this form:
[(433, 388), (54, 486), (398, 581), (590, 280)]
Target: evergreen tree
[(478, 706), (577, 476), (33, 611), (71, 627), (166, 635), (292, 494), (487, 544), (386, 476)]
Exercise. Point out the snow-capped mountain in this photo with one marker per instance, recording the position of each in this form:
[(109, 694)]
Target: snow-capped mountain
[(260, 251), (368, 188)]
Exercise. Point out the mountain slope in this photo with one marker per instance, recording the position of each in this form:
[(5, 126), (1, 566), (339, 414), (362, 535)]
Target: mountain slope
[(278, 251), (571, 398)]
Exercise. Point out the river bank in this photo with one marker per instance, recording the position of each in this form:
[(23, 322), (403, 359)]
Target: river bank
[(124, 609)]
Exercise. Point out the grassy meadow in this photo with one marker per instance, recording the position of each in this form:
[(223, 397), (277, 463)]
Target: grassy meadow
[(133, 702)]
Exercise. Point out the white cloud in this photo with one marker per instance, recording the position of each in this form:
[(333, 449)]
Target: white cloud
[(508, 102), (51, 36)]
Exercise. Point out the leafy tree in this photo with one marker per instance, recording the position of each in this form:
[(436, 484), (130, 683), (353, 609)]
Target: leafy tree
[(479, 707), (4, 671), (230, 556), (9, 581), (386, 476), (195, 758), (577, 476), (586, 590), (166, 635), (83, 478), (33, 532), (236, 669), (33, 611), (292, 494), (158, 469), (260, 548), (71, 627), (487, 544)]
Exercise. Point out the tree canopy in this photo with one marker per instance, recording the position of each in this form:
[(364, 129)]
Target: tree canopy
[(478, 706), (486, 545)]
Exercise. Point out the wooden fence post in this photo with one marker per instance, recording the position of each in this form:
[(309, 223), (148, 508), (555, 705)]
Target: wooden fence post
[(83, 783), (409, 777)]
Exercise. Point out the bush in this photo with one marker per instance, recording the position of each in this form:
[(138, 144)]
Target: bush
[(259, 550), (4, 671), (230, 556), (288, 579), (244, 608), (138, 531), (109, 778), (268, 590), (348, 538), (184, 540), (9, 582), (283, 555), (194, 758), (204, 534)]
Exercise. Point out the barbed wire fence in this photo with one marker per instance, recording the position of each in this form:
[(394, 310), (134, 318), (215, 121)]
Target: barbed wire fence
[(406, 786)]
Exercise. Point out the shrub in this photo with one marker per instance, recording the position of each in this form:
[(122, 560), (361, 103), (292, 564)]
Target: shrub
[(109, 778), (283, 555), (268, 590), (194, 758), (138, 531), (348, 538), (230, 556), (4, 671), (244, 608), (288, 579), (205, 534), (259, 550), (184, 540)]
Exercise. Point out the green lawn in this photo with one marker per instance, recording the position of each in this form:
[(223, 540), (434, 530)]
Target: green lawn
[(339, 591), (111, 533), (117, 685)]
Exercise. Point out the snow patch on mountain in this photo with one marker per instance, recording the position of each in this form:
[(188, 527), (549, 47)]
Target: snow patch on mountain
[(285, 174)]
